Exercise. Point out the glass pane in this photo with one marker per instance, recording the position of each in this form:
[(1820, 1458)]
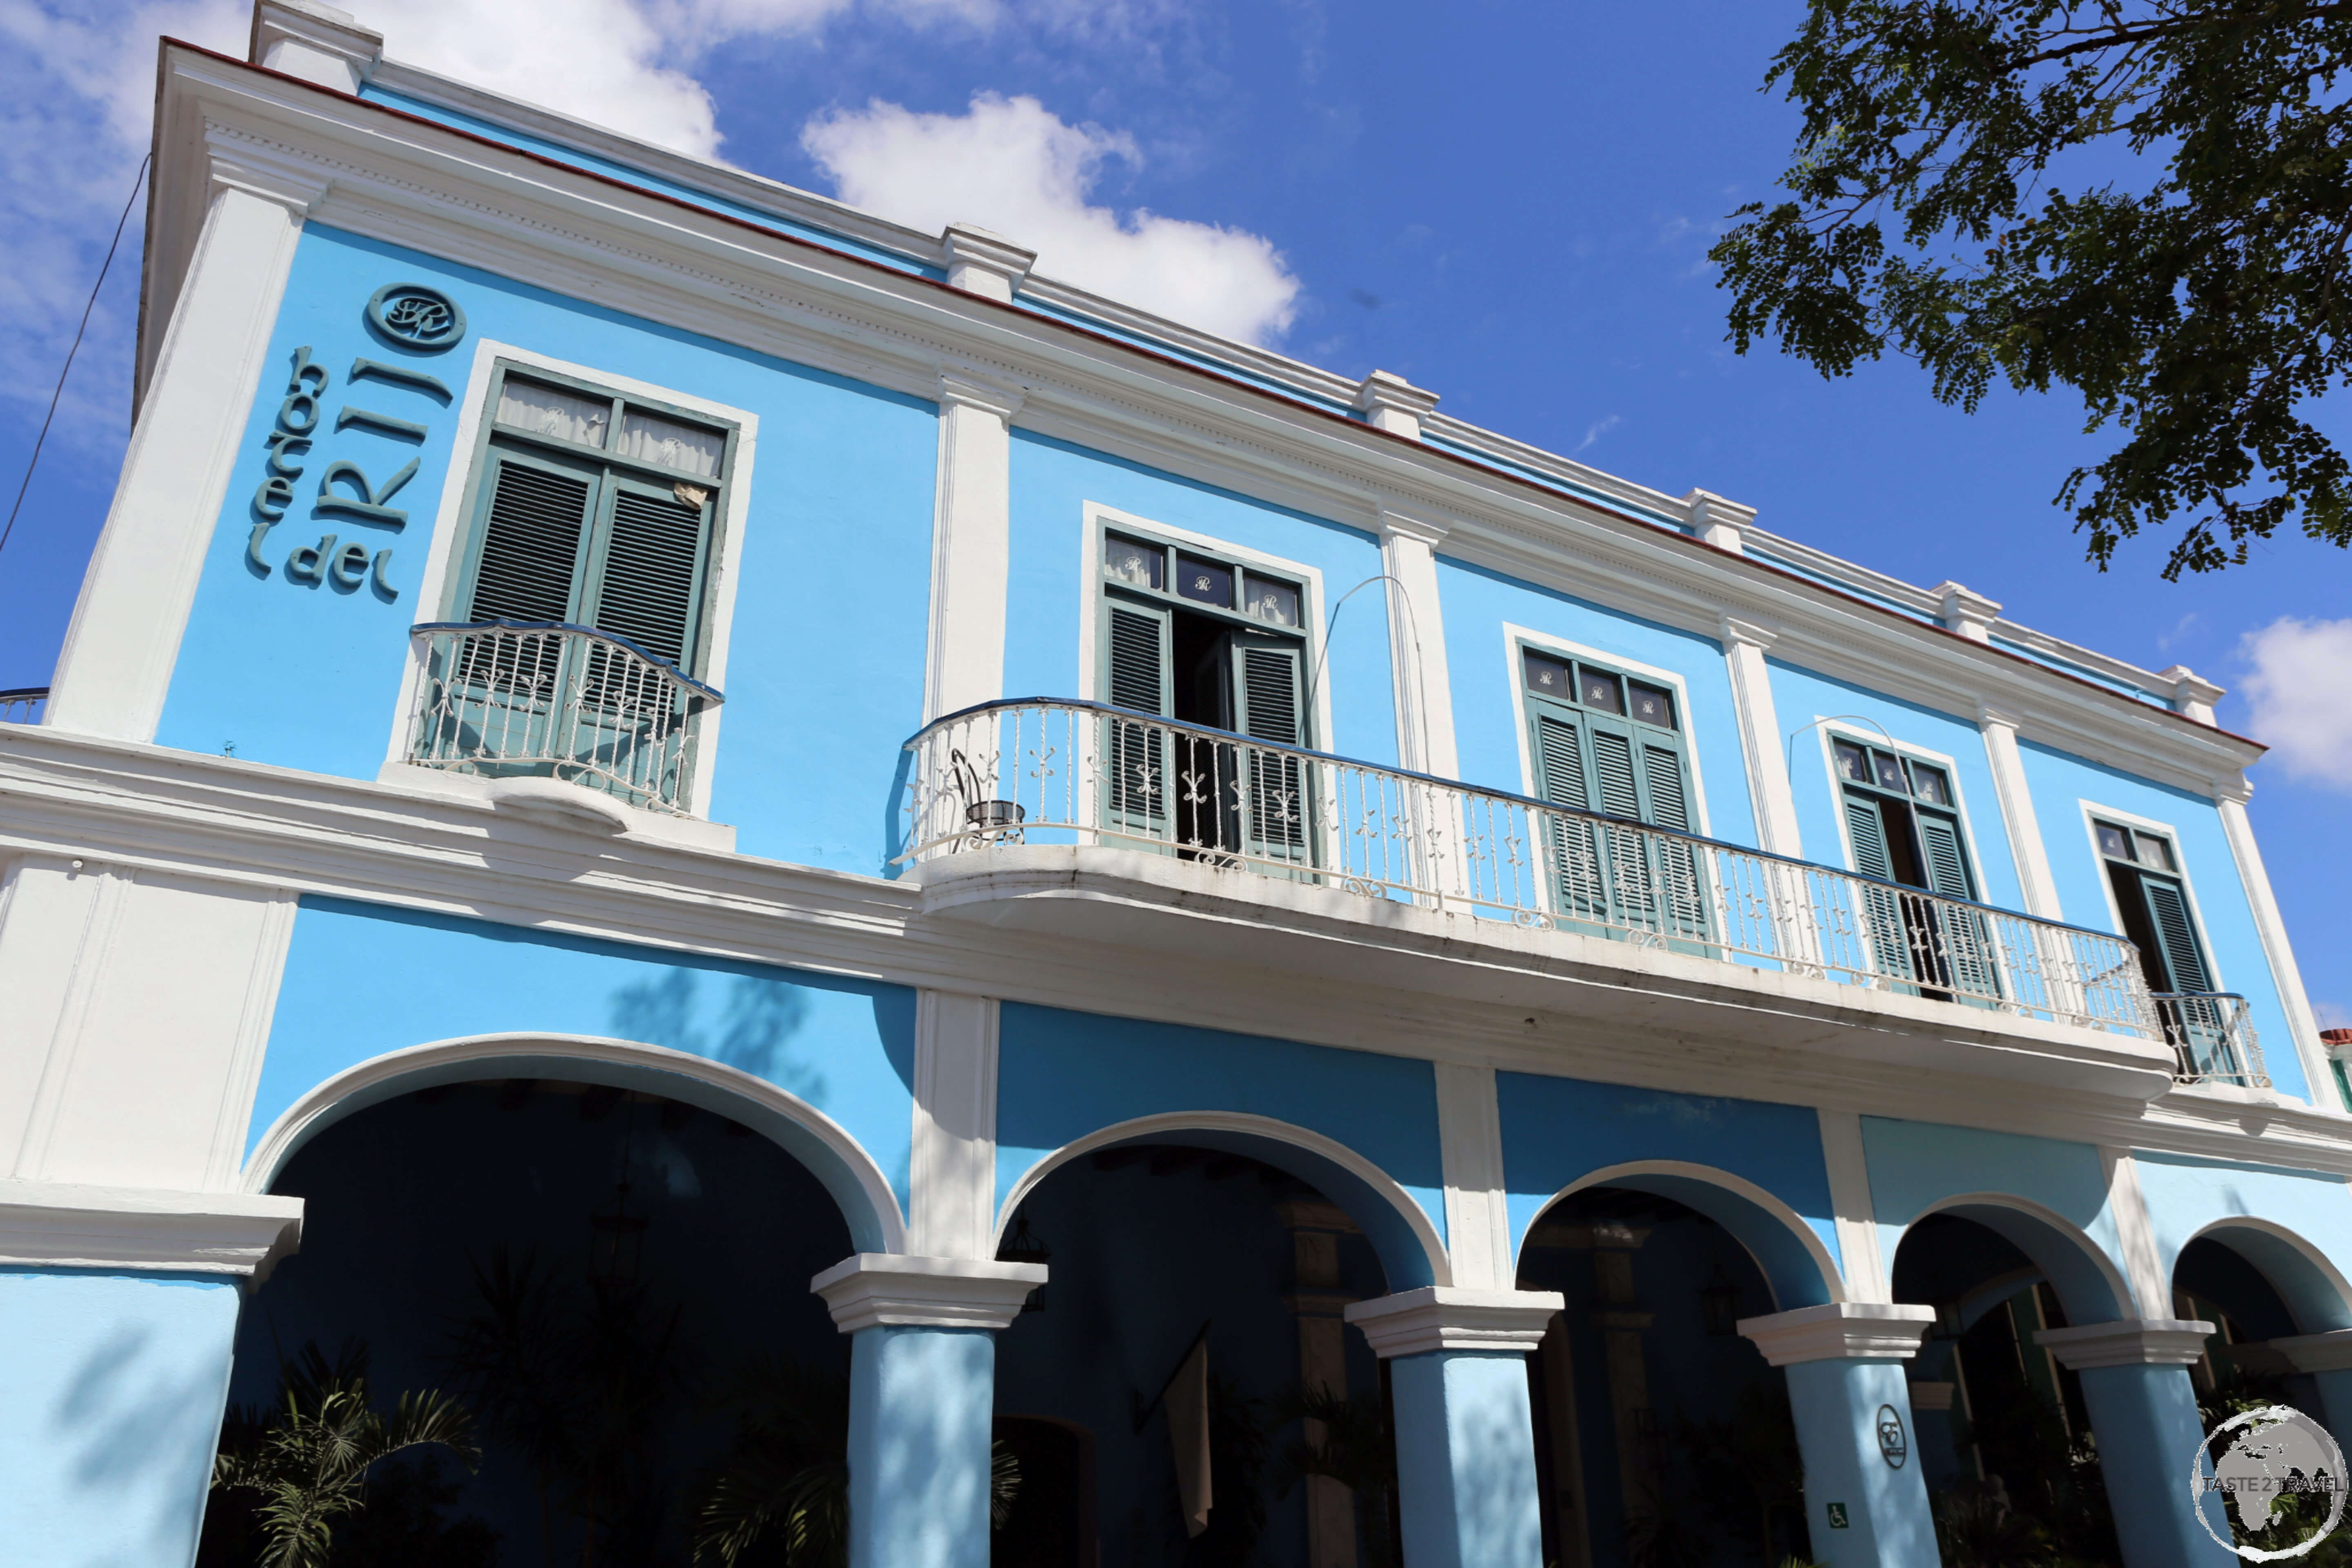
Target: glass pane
[(1270, 601), (2154, 851), (1652, 705), (689, 449), (1889, 772), (1137, 564), (2112, 842), (1851, 764), (550, 411), (1548, 676), (1206, 582), (1595, 689), (1930, 784)]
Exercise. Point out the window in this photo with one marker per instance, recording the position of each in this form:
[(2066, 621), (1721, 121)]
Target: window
[(2144, 872), (1605, 742), (1215, 644), (596, 510), (1903, 822)]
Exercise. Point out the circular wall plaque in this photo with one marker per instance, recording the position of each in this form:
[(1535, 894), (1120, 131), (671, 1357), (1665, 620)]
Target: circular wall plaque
[(1893, 1445), (416, 317)]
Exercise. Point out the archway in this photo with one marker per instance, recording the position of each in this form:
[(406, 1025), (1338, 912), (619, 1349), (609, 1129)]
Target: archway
[(1643, 1390), (1238, 1241), (2279, 1312), (587, 1244)]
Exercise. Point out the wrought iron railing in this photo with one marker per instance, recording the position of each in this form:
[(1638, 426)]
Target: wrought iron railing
[(526, 699), (23, 704), (2212, 1037), (1048, 771)]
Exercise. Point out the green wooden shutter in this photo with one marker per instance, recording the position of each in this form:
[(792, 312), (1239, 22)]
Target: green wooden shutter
[(1867, 827), (1881, 912), (1966, 948), (1615, 790), (1560, 780), (1136, 673), (1947, 860), (1667, 804), (2168, 909), (1268, 706), (650, 569), (533, 541)]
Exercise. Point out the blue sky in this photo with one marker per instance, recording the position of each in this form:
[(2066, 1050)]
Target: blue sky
[(1509, 205)]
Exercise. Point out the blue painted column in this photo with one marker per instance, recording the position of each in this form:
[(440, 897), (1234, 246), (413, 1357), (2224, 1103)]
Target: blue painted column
[(1865, 1495), (2327, 1358), (2144, 1414), (111, 1387), (922, 1393), (1464, 1434)]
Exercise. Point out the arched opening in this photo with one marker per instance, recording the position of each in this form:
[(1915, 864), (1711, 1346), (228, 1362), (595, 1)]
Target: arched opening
[(601, 1260), (1660, 1434), (1192, 1326), (2003, 1432)]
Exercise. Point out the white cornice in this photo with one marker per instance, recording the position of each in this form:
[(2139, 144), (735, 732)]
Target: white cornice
[(1842, 1330), (891, 1290), (2131, 1341), (49, 1224), (1449, 1317), (103, 802)]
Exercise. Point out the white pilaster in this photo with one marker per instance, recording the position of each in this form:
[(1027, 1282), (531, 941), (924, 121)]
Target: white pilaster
[(982, 263), (1718, 521), (1744, 643), (1969, 612), (2143, 1266), (970, 544), (116, 664), (1424, 696), (1392, 404), (891, 1291), (2229, 798), (49, 1224), (952, 1171), (1850, 1203), (1841, 1331), (2035, 884), (315, 42), (1470, 1143), (1450, 1317)]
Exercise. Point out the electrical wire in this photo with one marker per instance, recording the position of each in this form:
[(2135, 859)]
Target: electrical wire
[(136, 180)]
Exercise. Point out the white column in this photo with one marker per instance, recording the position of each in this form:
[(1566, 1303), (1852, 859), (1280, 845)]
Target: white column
[(1425, 699), (2144, 1414), (2229, 798), (2035, 884), (1744, 643), (116, 665), (952, 1171), (2135, 1233), (1850, 1203), (970, 544), (1470, 1155)]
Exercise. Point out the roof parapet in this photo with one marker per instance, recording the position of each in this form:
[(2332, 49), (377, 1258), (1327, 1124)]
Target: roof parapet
[(1718, 521), (1392, 404), (1965, 611), (2192, 696), (984, 263), (317, 43)]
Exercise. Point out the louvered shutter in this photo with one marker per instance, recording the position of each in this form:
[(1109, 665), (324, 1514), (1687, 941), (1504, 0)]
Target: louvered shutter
[(2184, 961), (1268, 707), (533, 542), (1966, 948), (1667, 804), (1560, 780), (650, 570), (1881, 914), (1136, 675), (1946, 861), (1867, 827)]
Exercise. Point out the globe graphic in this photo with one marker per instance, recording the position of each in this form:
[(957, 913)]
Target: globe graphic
[(2267, 1455)]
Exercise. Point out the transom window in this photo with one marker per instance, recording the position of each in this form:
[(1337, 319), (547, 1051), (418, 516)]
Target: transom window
[(1597, 690), (1149, 567), (2144, 872), (1903, 820)]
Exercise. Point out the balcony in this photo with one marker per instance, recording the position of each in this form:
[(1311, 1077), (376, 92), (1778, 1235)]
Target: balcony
[(2212, 1036), (519, 700), (23, 705), (995, 792)]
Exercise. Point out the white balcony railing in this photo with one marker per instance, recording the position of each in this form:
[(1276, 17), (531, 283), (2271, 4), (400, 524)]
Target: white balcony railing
[(2212, 1033), (540, 700), (1046, 771), (23, 705)]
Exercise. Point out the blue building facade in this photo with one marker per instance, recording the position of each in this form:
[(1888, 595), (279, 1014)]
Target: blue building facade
[(1144, 831)]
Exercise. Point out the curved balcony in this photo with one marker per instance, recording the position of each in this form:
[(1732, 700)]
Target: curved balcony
[(2212, 1033), (544, 700), (23, 704), (1042, 771)]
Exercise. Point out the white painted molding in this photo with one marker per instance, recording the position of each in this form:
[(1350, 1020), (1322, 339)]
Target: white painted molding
[(124, 637), (884, 1291), (982, 263), (2330, 1352), (315, 42), (2129, 1342), (1964, 611), (1718, 521), (2321, 1264), (2118, 1286), (2014, 795), (2192, 696), (232, 1121), (1743, 647), (1443, 1318), (972, 544), (49, 1224), (1842, 1330), (2301, 1022), (1850, 1203), (951, 1179), (2135, 1232), (1470, 1143), (1392, 404), (1833, 1279), (1424, 689)]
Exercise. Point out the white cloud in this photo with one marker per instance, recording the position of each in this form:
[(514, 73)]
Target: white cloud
[(1594, 431), (1012, 166), (2299, 681)]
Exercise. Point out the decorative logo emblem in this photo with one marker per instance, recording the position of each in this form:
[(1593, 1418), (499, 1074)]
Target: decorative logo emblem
[(416, 317), (1893, 1445), (2283, 1474)]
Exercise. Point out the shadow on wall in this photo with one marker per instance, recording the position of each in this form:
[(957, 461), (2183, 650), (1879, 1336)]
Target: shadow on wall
[(755, 1026)]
